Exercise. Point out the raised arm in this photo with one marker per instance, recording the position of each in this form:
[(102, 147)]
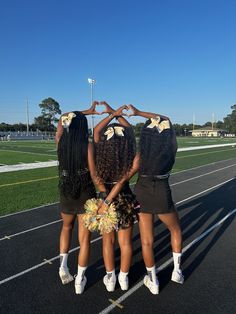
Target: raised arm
[(91, 110), (148, 115), (120, 118), (103, 123), (119, 185)]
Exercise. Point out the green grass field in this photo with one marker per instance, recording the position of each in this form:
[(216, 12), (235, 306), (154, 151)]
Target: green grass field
[(25, 189)]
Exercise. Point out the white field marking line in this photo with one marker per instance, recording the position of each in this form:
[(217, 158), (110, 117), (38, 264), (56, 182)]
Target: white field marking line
[(207, 153), (31, 153), (202, 175), (95, 240), (45, 205), (32, 229), (167, 263), (186, 149), (28, 166), (42, 264), (57, 221)]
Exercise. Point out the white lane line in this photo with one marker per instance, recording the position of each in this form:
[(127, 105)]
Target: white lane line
[(28, 210), (42, 264), (203, 192), (28, 230), (167, 263), (202, 175), (202, 166), (45, 205), (177, 203)]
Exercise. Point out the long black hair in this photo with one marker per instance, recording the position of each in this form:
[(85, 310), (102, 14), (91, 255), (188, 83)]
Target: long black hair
[(157, 150), (73, 157), (114, 156)]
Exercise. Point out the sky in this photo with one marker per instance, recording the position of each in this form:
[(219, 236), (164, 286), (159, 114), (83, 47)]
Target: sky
[(173, 57)]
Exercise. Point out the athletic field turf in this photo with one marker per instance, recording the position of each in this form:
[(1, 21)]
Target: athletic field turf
[(25, 189)]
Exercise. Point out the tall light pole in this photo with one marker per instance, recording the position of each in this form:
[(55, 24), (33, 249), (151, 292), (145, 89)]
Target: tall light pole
[(91, 83), (193, 121), (27, 117), (212, 121)]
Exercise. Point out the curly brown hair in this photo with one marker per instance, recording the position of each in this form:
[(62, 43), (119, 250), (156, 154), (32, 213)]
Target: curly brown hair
[(114, 157)]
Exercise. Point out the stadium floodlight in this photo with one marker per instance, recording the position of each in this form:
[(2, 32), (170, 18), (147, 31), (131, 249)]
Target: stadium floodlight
[(91, 83)]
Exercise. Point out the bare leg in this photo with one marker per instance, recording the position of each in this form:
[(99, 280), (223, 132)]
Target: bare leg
[(125, 243), (108, 243), (146, 234), (65, 240), (84, 241), (171, 221), (66, 232)]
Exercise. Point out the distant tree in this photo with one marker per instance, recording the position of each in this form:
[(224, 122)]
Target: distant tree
[(179, 129), (219, 125), (230, 120), (50, 108), (43, 123), (4, 127), (208, 124), (137, 129)]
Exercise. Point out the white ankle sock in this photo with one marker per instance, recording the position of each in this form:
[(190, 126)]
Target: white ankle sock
[(177, 260), (63, 260), (80, 273), (123, 275), (151, 271), (111, 274)]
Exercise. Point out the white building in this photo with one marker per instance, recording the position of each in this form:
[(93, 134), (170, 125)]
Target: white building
[(208, 132)]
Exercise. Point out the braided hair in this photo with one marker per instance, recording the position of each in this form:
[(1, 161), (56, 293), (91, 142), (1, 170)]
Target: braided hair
[(73, 157), (157, 150)]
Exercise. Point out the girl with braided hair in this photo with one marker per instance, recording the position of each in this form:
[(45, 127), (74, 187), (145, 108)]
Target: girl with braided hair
[(158, 148), (75, 187)]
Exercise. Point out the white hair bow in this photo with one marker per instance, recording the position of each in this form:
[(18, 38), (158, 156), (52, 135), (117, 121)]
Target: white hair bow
[(118, 130), (66, 120), (155, 122)]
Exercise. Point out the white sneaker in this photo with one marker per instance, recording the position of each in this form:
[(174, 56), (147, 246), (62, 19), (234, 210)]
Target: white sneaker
[(110, 283), (177, 276), (65, 275), (79, 285), (154, 288), (124, 283)]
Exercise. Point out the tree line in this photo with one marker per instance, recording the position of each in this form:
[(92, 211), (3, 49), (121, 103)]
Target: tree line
[(50, 109)]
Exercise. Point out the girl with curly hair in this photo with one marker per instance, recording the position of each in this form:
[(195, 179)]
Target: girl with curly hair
[(158, 147), (115, 151), (75, 187)]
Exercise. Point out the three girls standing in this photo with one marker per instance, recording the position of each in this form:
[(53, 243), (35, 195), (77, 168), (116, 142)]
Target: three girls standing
[(110, 162)]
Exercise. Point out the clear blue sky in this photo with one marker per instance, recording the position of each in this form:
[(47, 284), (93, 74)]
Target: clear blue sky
[(173, 57)]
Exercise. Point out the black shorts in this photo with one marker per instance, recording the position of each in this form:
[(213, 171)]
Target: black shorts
[(154, 195), (76, 206)]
